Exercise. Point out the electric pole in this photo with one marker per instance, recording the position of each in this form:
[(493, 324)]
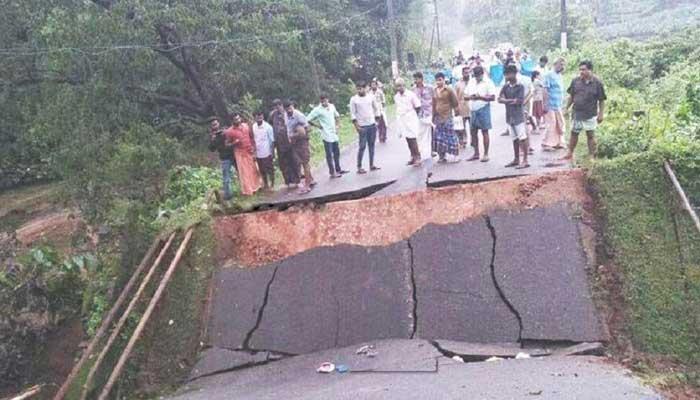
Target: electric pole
[(392, 39), (437, 23), (564, 24)]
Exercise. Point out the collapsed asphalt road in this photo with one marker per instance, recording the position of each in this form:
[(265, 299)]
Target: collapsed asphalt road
[(483, 281), (424, 269), (415, 369)]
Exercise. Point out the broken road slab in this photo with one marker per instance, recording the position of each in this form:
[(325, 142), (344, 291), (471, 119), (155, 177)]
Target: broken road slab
[(581, 349), (581, 378), (540, 266), (238, 297), (455, 294), (214, 360), (337, 296), (505, 350)]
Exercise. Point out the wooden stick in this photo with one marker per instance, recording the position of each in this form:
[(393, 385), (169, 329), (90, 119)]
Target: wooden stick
[(104, 326), (681, 194), (146, 316), (31, 392), (125, 316)]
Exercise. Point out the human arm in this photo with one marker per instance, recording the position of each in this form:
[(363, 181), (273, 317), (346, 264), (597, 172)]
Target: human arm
[(602, 97), (353, 114)]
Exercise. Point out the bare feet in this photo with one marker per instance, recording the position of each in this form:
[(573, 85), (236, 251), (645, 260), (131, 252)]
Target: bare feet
[(485, 159), (512, 164), (523, 166), (361, 171)]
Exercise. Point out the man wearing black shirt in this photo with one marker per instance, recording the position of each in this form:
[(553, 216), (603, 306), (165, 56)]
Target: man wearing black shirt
[(513, 96), (587, 96)]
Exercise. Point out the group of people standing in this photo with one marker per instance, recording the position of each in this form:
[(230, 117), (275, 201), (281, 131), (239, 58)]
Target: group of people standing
[(534, 102), (284, 135), (436, 121)]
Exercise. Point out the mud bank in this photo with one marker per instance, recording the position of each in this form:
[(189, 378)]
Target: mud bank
[(256, 239)]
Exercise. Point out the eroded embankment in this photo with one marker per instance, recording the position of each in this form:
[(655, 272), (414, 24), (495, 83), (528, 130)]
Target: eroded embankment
[(257, 239)]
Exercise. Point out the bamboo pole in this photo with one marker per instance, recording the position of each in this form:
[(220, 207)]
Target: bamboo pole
[(146, 316), (681, 194), (31, 392), (125, 316), (104, 326)]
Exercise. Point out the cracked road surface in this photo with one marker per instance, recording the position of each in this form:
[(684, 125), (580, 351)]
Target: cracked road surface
[(395, 177), (414, 369), (491, 279)]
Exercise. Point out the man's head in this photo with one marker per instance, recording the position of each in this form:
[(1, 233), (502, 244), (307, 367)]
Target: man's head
[(544, 60), (418, 78), (361, 88), (585, 69), (535, 75), (478, 72), (559, 65), (259, 117), (215, 125), (289, 107), (440, 80), (400, 85), (237, 119), (511, 73), (374, 84), (465, 73), (277, 104), (324, 100), (509, 53)]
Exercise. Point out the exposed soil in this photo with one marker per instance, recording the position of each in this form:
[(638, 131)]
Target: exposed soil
[(259, 238)]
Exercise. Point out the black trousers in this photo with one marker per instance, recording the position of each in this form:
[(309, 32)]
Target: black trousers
[(332, 156)]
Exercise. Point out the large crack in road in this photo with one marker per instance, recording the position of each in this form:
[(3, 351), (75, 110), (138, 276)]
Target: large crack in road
[(492, 267), (414, 289), (261, 311)]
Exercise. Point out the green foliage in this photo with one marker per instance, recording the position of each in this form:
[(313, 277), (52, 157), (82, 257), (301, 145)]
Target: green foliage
[(187, 199), (653, 241)]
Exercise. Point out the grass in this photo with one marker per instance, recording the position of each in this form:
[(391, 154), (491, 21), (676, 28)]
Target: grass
[(651, 240)]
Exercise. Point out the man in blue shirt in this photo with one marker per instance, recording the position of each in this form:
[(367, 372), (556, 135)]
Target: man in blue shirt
[(554, 101)]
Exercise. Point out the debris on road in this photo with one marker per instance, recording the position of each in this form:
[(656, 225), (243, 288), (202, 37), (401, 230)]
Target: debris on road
[(326, 368)]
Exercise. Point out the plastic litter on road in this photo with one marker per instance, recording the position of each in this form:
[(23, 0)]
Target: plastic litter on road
[(326, 368)]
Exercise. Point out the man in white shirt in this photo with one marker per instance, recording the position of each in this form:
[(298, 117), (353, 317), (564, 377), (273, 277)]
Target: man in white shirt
[(408, 107), (480, 93), (364, 113), (264, 138)]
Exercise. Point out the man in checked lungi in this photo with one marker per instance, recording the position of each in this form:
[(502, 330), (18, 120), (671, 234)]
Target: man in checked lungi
[(445, 104)]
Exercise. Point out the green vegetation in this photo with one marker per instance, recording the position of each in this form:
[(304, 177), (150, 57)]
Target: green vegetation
[(653, 115)]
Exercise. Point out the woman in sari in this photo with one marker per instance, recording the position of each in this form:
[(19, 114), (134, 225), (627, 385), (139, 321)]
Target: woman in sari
[(244, 152)]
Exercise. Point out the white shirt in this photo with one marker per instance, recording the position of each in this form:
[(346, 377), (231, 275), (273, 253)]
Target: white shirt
[(363, 109), (263, 142), (406, 103), (380, 99), (483, 88)]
